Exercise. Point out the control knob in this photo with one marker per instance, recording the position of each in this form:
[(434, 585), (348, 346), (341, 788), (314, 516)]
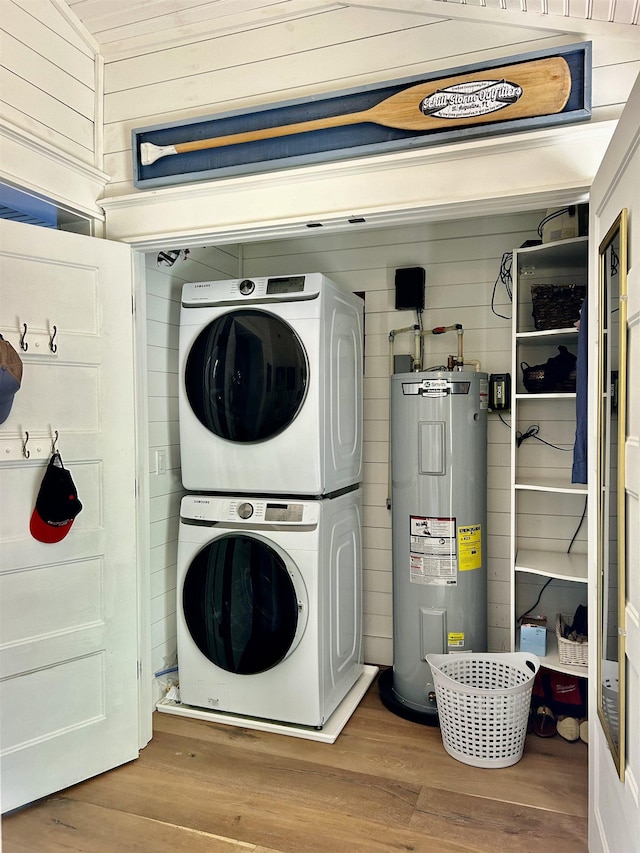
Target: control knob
[(245, 510)]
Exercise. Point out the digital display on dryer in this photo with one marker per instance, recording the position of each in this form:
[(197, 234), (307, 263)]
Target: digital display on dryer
[(283, 512), (290, 284)]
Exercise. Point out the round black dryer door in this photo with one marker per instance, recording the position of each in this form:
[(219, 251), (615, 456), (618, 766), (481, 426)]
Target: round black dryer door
[(241, 605), (246, 376)]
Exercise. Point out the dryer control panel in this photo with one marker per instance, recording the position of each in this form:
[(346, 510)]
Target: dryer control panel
[(236, 291), (249, 511)]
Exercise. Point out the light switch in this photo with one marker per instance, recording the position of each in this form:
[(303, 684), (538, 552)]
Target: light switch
[(161, 461)]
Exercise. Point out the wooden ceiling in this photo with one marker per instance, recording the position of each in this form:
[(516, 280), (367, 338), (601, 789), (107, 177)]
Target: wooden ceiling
[(118, 26)]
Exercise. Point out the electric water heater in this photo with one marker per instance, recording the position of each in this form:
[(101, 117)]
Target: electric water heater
[(439, 527)]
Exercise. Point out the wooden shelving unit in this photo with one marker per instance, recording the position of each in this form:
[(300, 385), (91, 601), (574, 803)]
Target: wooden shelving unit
[(546, 507)]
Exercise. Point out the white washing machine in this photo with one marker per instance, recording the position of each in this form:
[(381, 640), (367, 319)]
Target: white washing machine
[(270, 398), (269, 605)]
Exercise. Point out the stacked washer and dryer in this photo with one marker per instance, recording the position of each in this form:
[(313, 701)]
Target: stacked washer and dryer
[(269, 591)]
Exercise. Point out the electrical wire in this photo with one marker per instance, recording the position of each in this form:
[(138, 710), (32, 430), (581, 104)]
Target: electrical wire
[(532, 432), (504, 276), (584, 512), (553, 216), (615, 262), (537, 601)]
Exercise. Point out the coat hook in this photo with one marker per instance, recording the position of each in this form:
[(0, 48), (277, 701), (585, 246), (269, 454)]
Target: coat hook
[(53, 347), (24, 346), (26, 453), (54, 441)]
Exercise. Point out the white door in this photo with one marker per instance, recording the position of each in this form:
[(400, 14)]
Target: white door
[(68, 611), (615, 805)]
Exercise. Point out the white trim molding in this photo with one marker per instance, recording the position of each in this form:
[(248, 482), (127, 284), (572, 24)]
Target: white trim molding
[(482, 177), (38, 167)]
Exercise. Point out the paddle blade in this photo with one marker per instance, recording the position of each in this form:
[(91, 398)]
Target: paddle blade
[(523, 90)]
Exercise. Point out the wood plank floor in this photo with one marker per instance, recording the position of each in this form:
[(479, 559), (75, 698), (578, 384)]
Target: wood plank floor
[(385, 785)]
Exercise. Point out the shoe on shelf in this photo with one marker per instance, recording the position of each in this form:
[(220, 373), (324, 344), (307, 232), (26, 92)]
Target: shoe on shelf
[(568, 728), (545, 722), (584, 731)]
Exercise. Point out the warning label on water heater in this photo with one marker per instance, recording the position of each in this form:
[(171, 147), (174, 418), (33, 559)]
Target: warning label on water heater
[(470, 547), (433, 554)]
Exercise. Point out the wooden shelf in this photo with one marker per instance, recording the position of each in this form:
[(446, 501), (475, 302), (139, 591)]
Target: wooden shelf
[(560, 486), (559, 253), (545, 395), (554, 564), (543, 334)]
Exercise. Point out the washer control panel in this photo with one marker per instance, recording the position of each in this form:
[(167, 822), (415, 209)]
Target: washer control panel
[(249, 511), (235, 291), (286, 513)]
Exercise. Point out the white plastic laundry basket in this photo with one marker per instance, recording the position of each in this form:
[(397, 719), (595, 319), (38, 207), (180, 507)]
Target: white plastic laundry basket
[(483, 705)]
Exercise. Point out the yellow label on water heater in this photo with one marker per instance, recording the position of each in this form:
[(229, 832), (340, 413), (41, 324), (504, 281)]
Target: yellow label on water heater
[(455, 638), (470, 547)]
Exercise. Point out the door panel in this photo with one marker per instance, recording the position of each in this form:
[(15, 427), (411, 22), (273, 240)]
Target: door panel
[(614, 804), (68, 629)]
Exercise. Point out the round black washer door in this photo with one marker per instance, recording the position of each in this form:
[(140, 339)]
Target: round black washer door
[(246, 376), (240, 604)]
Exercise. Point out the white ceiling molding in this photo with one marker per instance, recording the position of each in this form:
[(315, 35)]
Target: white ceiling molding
[(34, 165), (395, 218)]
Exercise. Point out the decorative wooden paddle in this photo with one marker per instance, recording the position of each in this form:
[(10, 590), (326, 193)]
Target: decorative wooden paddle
[(527, 89)]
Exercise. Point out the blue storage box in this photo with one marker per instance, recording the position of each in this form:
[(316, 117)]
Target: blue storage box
[(533, 639)]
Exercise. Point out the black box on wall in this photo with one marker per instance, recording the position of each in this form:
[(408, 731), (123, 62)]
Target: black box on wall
[(410, 288)]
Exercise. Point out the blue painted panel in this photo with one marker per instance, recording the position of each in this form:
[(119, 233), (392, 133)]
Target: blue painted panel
[(338, 142)]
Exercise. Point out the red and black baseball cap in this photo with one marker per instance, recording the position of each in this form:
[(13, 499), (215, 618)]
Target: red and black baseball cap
[(57, 504)]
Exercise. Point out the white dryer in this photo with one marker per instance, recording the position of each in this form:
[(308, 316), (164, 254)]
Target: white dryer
[(270, 398), (269, 605)]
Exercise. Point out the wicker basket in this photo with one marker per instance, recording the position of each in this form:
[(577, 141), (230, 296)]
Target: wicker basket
[(556, 306), (576, 654), (557, 374), (536, 380)]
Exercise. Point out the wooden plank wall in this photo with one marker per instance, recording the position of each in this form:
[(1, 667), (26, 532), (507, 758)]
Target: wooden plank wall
[(50, 79), (317, 53)]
